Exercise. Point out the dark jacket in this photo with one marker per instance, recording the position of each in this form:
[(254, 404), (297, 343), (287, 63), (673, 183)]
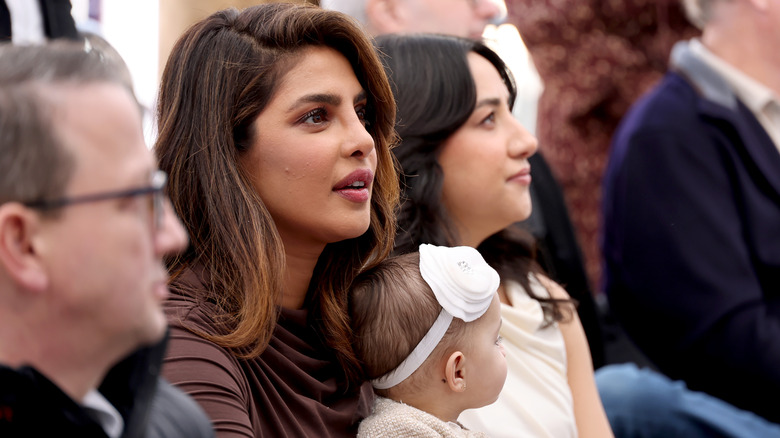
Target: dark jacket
[(32, 406), (692, 236), (57, 20)]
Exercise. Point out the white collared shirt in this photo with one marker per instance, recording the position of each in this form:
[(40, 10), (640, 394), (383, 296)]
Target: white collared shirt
[(104, 413), (761, 100), (26, 22)]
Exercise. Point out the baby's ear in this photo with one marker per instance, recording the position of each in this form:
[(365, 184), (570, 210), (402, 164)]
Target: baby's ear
[(455, 371)]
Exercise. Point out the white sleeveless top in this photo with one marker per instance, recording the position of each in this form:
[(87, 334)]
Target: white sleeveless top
[(536, 400)]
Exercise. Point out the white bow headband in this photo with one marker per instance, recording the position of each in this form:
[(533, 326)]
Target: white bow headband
[(464, 285)]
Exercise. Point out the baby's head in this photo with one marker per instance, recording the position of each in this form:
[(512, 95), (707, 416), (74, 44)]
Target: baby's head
[(426, 325)]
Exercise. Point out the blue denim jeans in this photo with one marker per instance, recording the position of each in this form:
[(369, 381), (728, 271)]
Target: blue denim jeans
[(641, 403)]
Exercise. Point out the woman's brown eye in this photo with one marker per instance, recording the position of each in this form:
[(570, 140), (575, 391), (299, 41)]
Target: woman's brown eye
[(315, 117)]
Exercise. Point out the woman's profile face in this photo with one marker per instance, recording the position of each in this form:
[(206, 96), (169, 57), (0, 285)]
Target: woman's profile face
[(312, 161), (485, 162)]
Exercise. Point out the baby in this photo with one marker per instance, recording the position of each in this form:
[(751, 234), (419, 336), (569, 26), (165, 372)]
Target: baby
[(426, 327)]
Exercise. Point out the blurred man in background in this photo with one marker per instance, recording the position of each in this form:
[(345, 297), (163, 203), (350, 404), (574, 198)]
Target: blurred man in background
[(84, 225)]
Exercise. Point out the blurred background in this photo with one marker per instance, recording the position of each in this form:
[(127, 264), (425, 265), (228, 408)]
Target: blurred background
[(143, 32)]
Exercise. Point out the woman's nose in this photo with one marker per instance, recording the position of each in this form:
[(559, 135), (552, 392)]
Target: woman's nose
[(359, 143), (523, 144)]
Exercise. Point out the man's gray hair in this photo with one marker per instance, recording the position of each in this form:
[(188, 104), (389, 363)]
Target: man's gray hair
[(34, 165), (59, 62), (354, 8)]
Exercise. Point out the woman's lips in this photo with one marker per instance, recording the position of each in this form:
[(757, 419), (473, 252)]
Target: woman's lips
[(523, 177), (356, 186)]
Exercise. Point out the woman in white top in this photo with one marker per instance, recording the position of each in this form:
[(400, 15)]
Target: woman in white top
[(464, 161)]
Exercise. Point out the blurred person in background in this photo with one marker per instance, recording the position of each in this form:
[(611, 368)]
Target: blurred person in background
[(595, 59), (466, 18), (692, 220), (36, 21)]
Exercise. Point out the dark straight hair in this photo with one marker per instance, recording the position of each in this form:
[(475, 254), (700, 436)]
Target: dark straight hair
[(435, 95)]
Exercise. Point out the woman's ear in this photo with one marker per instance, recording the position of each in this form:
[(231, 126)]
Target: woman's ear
[(455, 371), (18, 257)]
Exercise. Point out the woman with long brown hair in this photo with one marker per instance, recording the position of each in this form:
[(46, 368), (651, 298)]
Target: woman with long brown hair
[(275, 126)]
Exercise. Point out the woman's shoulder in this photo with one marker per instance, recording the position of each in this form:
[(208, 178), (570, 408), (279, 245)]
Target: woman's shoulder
[(548, 287), (190, 350), (209, 372), (191, 320), (187, 305), (540, 286), (526, 313)]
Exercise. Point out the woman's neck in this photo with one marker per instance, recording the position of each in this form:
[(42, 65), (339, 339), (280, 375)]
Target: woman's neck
[(465, 238), (299, 269)]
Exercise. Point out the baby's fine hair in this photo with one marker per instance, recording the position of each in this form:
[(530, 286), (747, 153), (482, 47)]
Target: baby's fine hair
[(392, 308)]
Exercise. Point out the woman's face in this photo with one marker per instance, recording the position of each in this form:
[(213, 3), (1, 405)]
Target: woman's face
[(485, 162), (312, 160)]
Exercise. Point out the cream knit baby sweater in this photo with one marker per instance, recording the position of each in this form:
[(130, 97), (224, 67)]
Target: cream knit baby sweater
[(390, 418)]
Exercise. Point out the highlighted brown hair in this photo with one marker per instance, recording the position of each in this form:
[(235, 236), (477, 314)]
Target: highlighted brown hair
[(220, 76)]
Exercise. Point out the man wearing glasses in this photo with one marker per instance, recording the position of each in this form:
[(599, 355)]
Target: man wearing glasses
[(84, 225)]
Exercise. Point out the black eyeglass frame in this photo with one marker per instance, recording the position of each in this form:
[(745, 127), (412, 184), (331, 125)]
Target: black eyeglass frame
[(157, 190)]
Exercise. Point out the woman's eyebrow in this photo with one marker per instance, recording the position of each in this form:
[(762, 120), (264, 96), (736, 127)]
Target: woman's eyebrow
[(360, 96), (327, 98), (492, 101)]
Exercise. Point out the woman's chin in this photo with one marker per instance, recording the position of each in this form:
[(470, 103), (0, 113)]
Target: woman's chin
[(347, 232)]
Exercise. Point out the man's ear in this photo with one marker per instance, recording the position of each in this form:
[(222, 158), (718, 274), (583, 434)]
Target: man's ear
[(455, 371), (18, 258), (383, 16)]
